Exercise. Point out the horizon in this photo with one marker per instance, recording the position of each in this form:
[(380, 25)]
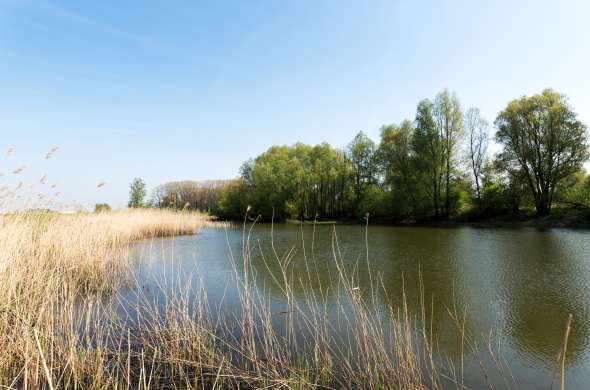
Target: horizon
[(192, 92)]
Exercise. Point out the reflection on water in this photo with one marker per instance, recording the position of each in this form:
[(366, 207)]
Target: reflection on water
[(519, 284)]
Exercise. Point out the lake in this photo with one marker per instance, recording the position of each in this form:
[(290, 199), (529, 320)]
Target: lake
[(511, 289)]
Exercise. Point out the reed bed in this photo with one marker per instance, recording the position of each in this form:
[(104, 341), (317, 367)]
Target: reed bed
[(61, 323), (52, 264)]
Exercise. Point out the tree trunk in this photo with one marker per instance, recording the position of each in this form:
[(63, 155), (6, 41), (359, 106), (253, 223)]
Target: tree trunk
[(478, 193), (436, 200), (448, 190), (543, 205)]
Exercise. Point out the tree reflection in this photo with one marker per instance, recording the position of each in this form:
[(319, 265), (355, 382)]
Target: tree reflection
[(544, 280), (408, 269)]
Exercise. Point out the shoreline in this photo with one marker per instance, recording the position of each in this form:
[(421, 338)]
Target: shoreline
[(561, 219)]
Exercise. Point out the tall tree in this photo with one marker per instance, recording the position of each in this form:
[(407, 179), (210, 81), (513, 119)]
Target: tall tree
[(543, 139), (428, 148), (449, 123), (137, 192), (395, 156), (343, 175), (361, 153), (275, 177), (477, 133)]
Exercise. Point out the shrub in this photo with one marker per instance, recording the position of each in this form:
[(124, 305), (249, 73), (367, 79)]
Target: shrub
[(101, 207)]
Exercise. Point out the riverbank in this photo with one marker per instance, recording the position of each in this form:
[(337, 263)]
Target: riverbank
[(560, 218)]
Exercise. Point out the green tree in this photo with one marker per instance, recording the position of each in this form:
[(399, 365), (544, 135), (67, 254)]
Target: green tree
[(361, 153), (233, 200), (137, 193), (428, 159), (298, 181), (395, 157), (343, 173), (101, 207), (544, 140), (575, 190), (272, 179), (375, 202), (449, 124), (329, 173)]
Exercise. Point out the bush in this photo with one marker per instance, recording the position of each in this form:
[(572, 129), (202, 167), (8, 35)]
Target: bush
[(576, 190), (233, 201), (375, 201), (101, 207)]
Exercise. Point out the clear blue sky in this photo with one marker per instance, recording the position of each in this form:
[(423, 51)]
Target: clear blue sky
[(189, 90)]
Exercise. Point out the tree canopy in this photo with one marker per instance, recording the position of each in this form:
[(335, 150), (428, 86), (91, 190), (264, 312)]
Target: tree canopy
[(543, 141), (137, 193)]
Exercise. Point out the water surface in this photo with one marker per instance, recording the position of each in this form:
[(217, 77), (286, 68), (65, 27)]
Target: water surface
[(518, 284)]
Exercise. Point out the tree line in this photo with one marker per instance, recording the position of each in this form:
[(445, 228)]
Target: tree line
[(434, 166), (193, 195), (181, 195)]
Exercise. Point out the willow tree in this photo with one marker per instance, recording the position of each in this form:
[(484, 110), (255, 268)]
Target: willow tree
[(272, 180), (449, 124), (544, 141)]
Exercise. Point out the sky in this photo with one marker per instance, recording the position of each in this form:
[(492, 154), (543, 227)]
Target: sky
[(188, 90)]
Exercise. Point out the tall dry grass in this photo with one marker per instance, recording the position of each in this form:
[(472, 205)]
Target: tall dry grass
[(61, 325), (53, 268)]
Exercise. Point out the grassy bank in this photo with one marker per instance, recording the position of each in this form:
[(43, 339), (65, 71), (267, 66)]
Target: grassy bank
[(59, 327)]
